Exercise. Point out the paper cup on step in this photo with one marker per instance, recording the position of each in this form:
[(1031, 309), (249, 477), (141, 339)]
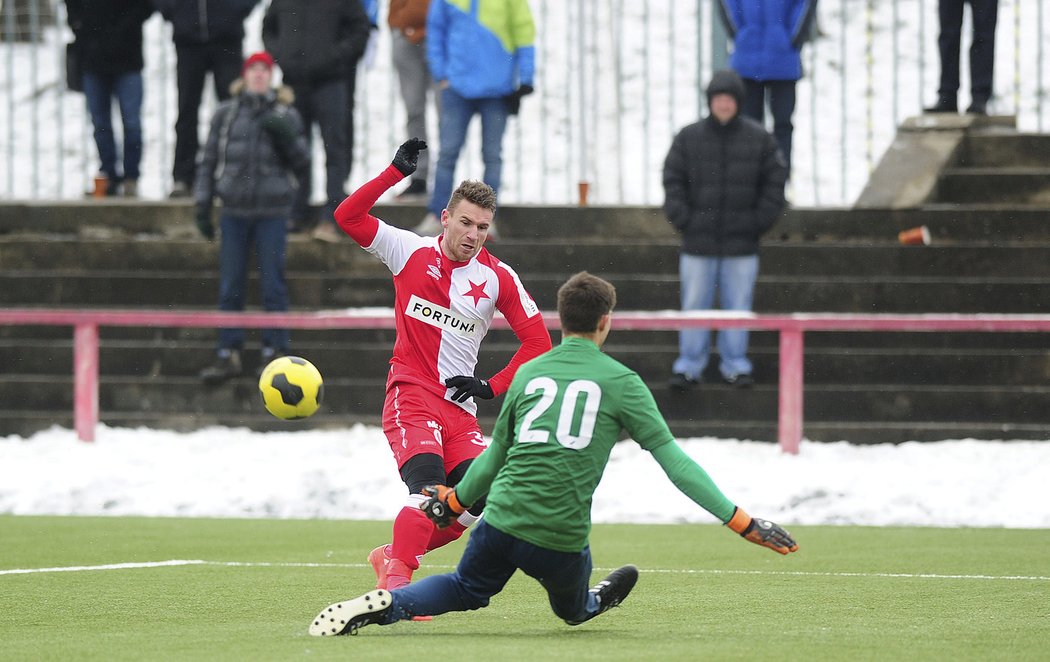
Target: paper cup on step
[(101, 186), (915, 236), (584, 188)]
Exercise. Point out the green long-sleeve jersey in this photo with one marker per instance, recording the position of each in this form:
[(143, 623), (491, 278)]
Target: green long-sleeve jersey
[(562, 416)]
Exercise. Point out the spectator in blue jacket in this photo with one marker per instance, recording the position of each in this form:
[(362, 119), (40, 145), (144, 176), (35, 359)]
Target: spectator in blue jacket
[(482, 60), (767, 42), (207, 36)]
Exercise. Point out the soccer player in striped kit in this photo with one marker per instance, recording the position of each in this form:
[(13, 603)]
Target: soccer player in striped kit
[(446, 291), (560, 420)]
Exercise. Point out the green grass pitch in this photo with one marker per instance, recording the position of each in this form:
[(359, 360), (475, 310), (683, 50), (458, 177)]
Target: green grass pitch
[(850, 593)]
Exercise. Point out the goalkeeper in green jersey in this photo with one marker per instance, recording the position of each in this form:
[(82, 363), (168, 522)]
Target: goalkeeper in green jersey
[(560, 420)]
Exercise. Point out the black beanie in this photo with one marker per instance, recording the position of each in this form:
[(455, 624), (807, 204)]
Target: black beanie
[(726, 81)]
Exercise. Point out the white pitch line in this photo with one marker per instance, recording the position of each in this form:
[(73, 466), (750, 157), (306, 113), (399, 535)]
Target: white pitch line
[(108, 566), (768, 573)]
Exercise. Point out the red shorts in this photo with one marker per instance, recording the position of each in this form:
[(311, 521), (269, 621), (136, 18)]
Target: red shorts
[(416, 421)]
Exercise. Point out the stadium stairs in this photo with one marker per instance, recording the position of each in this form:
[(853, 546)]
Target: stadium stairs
[(986, 206)]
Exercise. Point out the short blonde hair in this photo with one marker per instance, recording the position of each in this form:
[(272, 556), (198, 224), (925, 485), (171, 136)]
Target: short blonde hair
[(473, 191)]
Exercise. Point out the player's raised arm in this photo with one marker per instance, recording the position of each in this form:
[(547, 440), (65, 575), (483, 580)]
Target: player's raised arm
[(352, 213)]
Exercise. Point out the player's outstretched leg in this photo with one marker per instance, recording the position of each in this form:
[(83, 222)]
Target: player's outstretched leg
[(612, 590), (351, 615)]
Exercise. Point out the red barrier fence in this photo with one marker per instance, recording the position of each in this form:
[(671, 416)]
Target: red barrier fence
[(86, 323)]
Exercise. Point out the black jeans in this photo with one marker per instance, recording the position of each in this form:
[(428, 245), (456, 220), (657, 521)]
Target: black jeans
[(326, 104), (781, 104), (223, 60), (982, 47)]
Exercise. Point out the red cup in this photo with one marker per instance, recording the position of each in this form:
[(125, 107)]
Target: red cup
[(915, 236)]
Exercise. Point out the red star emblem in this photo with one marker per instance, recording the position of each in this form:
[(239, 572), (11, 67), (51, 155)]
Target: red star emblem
[(477, 292)]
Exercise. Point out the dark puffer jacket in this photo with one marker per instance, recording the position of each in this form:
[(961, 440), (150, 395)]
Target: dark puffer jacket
[(205, 21), (315, 41), (724, 184), (242, 162), (109, 33)]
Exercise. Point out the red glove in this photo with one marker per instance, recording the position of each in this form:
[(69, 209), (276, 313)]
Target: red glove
[(442, 507), (762, 532)]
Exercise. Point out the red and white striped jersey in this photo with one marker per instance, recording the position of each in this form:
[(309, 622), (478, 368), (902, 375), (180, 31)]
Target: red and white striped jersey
[(443, 309)]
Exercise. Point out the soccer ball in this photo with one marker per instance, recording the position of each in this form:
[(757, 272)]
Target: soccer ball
[(291, 387)]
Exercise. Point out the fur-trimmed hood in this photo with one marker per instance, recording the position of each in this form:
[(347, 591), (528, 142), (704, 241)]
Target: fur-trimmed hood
[(283, 94)]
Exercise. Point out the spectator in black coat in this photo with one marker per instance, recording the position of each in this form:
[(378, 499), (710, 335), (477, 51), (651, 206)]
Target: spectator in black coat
[(253, 162), (724, 184), (109, 41), (208, 36), (314, 43), (983, 16)]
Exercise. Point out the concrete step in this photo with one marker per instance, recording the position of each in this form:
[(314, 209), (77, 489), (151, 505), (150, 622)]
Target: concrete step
[(1032, 259), (364, 360), (1011, 150), (963, 342), (23, 423), (638, 224), (894, 407), (1027, 186), (896, 294)]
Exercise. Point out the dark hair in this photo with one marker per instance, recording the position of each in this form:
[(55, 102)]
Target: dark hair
[(478, 193), (582, 301)]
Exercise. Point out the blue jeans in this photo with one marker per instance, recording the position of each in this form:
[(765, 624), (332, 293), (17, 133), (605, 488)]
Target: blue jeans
[(734, 280), (99, 90), (488, 562), (269, 237), (456, 113)]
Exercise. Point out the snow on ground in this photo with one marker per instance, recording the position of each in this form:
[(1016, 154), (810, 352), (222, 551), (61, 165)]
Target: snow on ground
[(350, 474)]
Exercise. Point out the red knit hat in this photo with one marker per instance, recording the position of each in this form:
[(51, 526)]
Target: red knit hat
[(262, 57)]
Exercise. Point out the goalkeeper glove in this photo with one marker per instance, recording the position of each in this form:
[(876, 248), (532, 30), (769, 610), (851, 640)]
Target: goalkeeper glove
[(762, 532), (407, 156), (442, 506), (469, 386)]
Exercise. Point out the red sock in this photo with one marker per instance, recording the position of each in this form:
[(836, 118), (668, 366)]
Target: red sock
[(412, 532), (442, 537)]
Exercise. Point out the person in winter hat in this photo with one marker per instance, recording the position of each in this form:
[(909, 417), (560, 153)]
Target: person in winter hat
[(724, 188), (254, 161)]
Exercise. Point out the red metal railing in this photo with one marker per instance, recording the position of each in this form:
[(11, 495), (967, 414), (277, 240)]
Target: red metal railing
[(790, 327)]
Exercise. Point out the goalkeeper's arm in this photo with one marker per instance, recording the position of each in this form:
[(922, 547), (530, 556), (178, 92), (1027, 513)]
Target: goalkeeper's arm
[(693, 481)]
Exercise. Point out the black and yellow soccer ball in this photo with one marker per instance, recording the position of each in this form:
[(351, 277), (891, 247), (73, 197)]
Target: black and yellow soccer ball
[(291, 388)]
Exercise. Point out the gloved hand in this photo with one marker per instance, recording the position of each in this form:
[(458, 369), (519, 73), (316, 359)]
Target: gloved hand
[(442, 506), (204, 224), (762, 532), (513, 100), (469, 386), (407, 156), (281, 130)]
